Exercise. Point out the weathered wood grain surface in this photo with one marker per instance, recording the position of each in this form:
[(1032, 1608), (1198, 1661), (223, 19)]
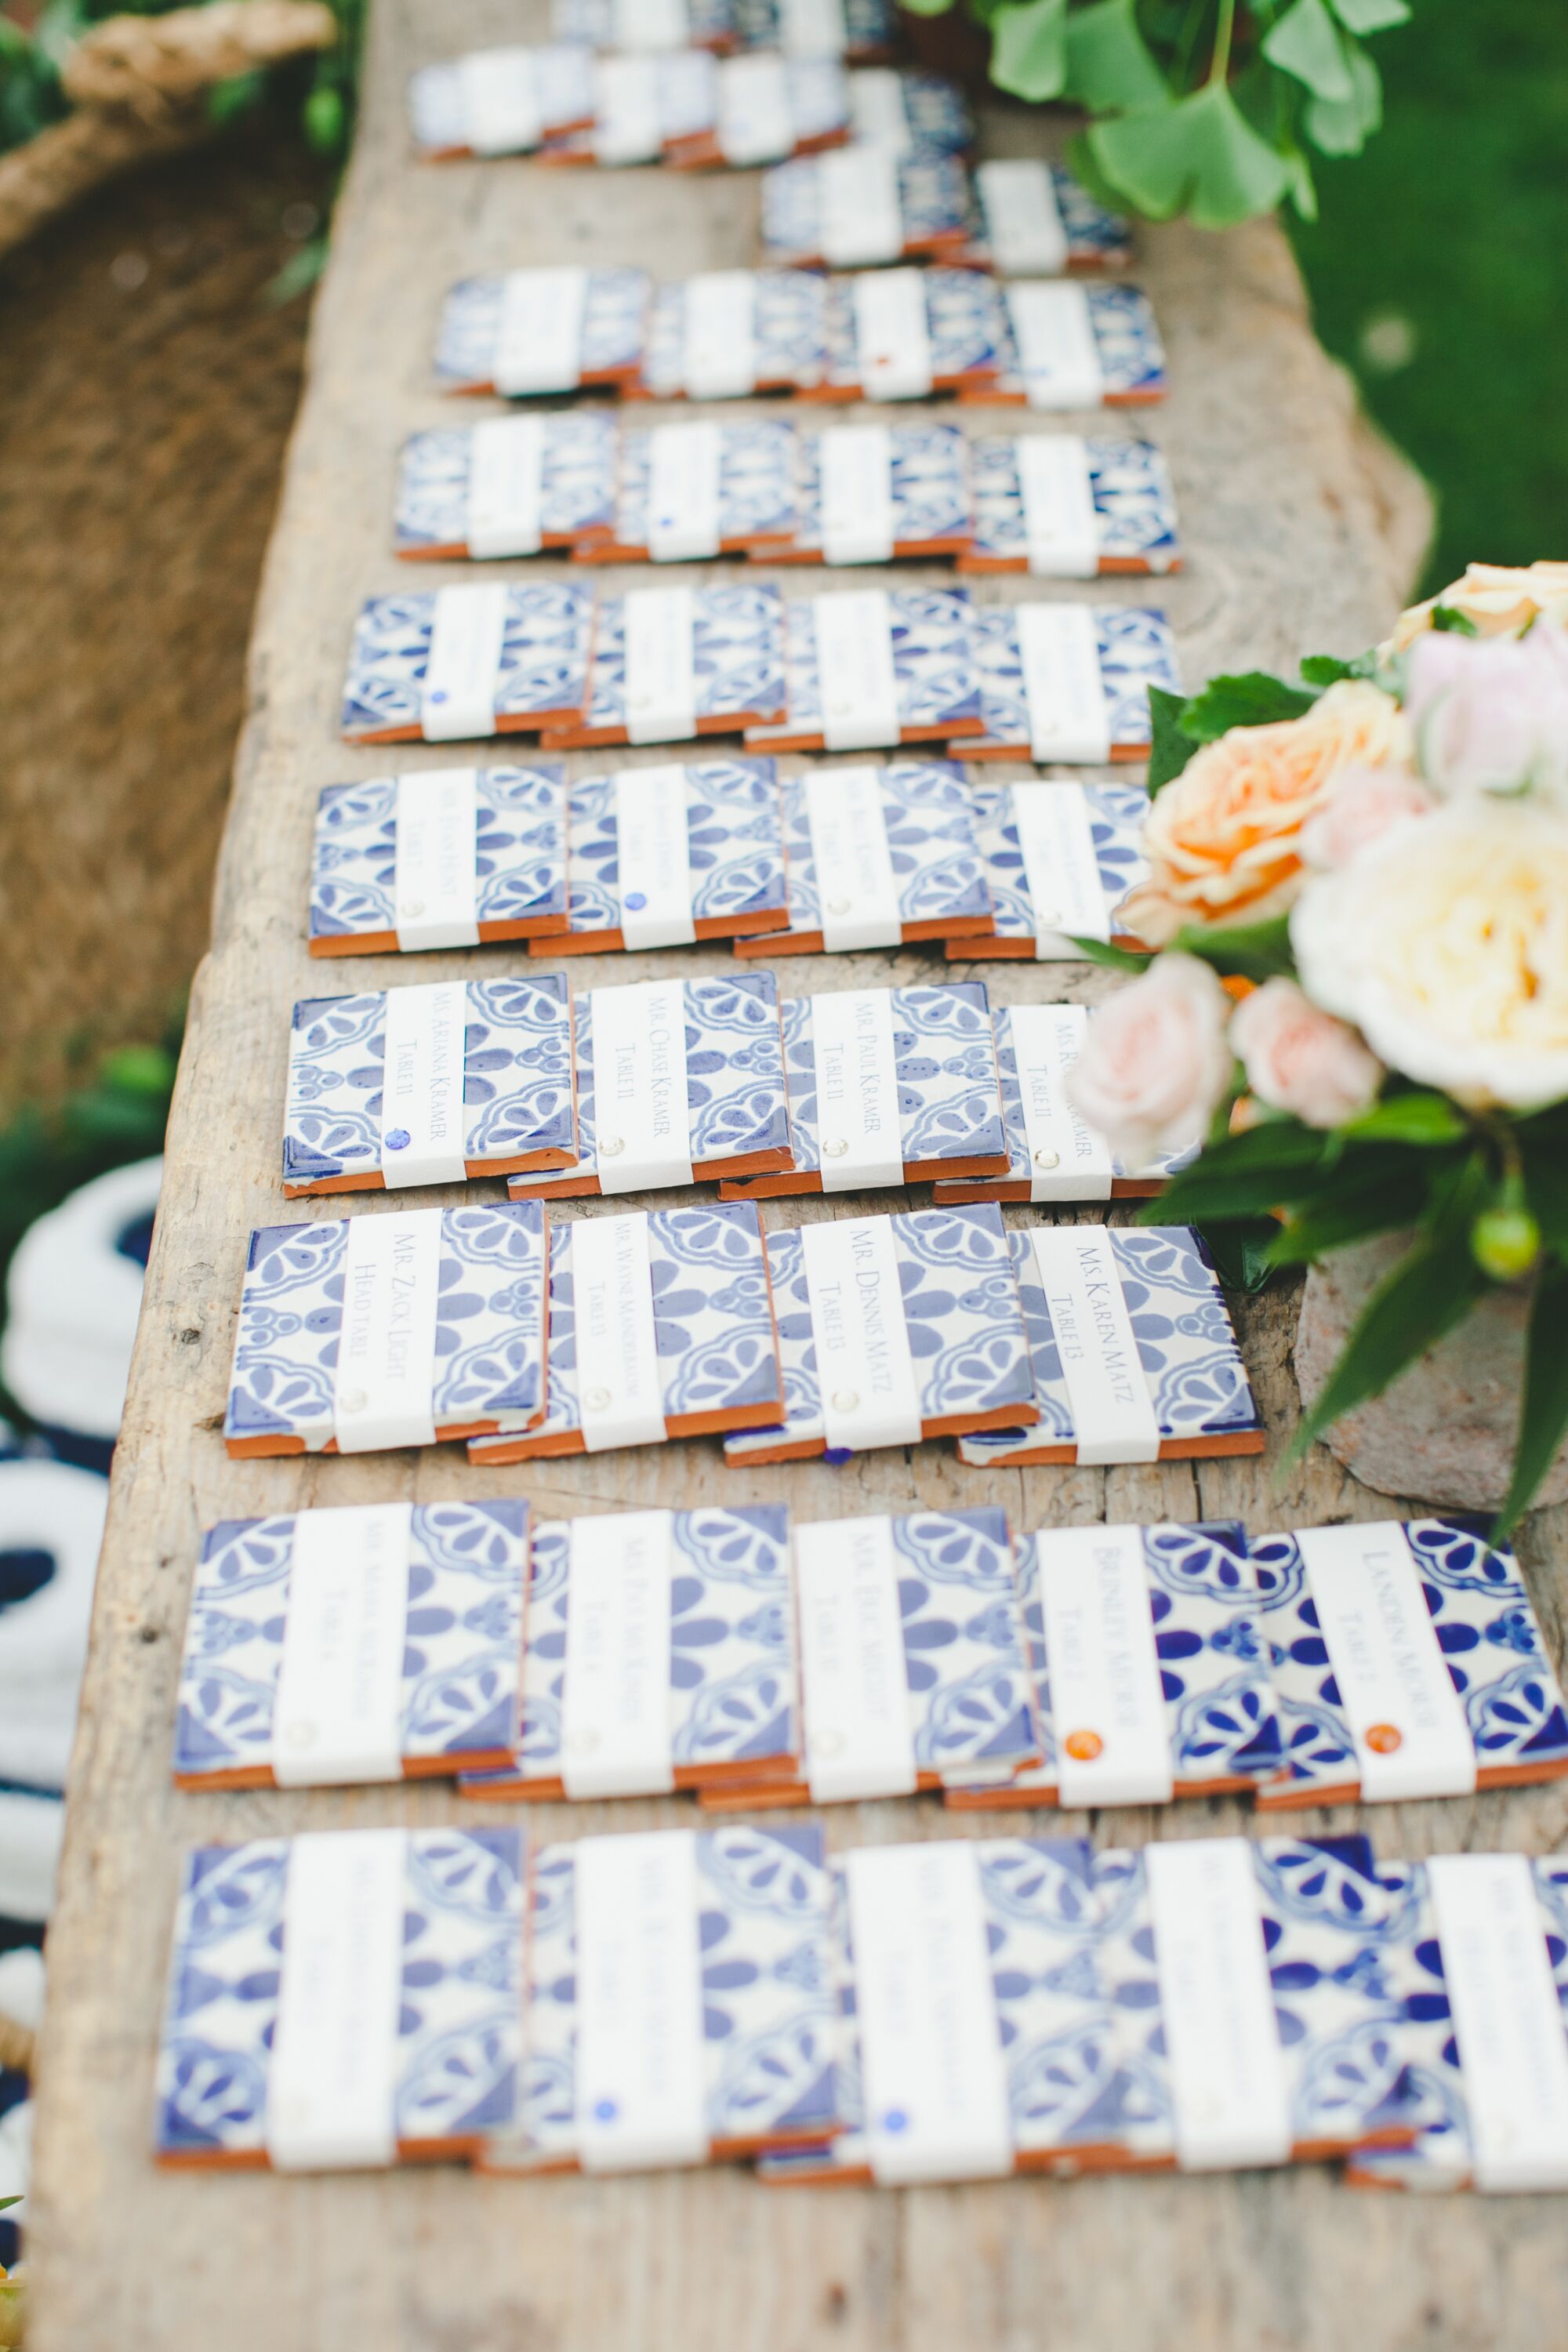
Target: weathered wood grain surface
[(1301, 535)]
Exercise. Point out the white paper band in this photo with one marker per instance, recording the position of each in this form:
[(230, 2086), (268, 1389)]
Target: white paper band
[(1113, 1415), (1068, 1161), (337, 1710), (620, 1396), (1108, 1705), (1405, 1717), (652, 24), (1069, 717), (660, 665), (1055, 842), (538, 340), (860, 219), (1228, 2097), (719, 336), (1060, 525), (859, 1739), (616, 1735), (1023, 218), (506, 487), (1058, 354), (640, 2072), (856, 464), (813, 28), (857, 681), (930, 2040), (435, 885), (331, 2080), (892, 335), (627, 116), (859, 1132), (855, 883), (424, 1118), (500, 101), (877, 115), (653, 858), (462, 675), (756, 121), (870, 1394), (1508, 2020), (383, 1385), (683, 492), (642, 1124)]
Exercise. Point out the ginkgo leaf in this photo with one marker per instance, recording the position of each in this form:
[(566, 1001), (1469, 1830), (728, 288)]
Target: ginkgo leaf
[(1370, 16), (1108, 65), (1028, 48), (1343, 127), (1199, 156), (1307, 43)]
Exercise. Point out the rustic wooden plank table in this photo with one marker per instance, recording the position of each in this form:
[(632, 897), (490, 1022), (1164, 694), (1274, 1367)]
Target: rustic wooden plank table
[(1301, 534)]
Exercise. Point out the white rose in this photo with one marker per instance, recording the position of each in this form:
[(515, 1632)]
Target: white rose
[(1155, 1060)]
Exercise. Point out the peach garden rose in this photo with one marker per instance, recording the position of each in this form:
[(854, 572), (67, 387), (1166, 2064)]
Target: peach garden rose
[(1499, 600)]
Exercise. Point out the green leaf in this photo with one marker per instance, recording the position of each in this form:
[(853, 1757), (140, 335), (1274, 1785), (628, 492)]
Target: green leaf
[(1303, 187), (1101, 951), (1240, 1252), (1242, 950), (1306, 43), (298, 275), (1342, 126), (228, 100), (1170, 746), (1197, 156), (6, 2203), (1449, 617), (1028, 50), (1108, 67), (928, 7), (1543, 1416), (1351, 1213), (1252, 698), (1416, 1117), (1431, 1290), (1326, 669), (1370, 16)]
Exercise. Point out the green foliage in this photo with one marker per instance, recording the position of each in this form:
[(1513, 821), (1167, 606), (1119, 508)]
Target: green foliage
[(1246, 950), (1248, 699)]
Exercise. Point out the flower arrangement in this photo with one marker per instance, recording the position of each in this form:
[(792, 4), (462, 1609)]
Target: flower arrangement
[(1356, 1009)]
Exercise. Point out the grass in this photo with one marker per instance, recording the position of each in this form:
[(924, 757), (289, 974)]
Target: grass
[(1437, 272)]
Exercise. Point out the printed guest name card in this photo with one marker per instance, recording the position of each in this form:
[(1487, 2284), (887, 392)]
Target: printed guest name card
[(342, 1999), (877, 856), (1408, 1662), (510, 486), (644, 107), (526, 332), (1034, 219), (892, 1329), (1150, 1666), (886, 1086), (429, 1085), (689, 492), (658, 1656), (680, 2003), (727, 333), (1053, 1153), (447, 666), (899, 334), (1059, 859), (646, 25), (501, 101), (1064, 507), (1133, 1355), (379, 1641), (866, 493), (863, 205), (760, 108), (664, 855), (441, 857), (1066, 347), (859, 30), (673, 663), (1067, 684), (401, 1327), (676, 1081), (661, 1325), (868, 668)]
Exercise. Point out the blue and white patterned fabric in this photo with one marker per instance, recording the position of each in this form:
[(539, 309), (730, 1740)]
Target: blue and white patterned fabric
[(734, 853), (489, 1332), (944, 1055), (964, 324), (519, 859), (931, 505), (1096, 239), (1492, 1646), (961, 1313), (1134, 507), (51, 1528), (1131, 356), (934, 668), (789, 328), (757, 498), (735, 1102), (1117, 814), (461, 1680), (517, 1085), (713, 1318), (1015, 1185), (544, 662), (614, 319), (1137, 650), (459, 2029), (738, 656), (1186, 1345), (770, 2010), (73, 1301), (870, 26), (708, 23), (576, 489), (933, 206), (928, 813), (563, 82), (734, 1713), (1214, 1663)]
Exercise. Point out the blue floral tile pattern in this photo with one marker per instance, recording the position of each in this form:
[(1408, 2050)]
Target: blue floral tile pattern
[(1137, 650), (1134, 507), (1116, 817), (738, 655), (964, 324), (614, 319), (1491, 1644), (756, 488), (937, 113), (870, 26), (735, 851), (789, 326), (816, 108), (1015, 1185), (962, 1312), (461, 1672), (517, 1085), (735, 1099), (520, 859), (460, 2029), (932, 504), (733, 1706), (928, 813), (933, 206), (713, 1316), (490, 1334), (577, 484), (439, 103), (1097, 239), (1201, 1398), (543, 665), (1131, 356), (935, 669)]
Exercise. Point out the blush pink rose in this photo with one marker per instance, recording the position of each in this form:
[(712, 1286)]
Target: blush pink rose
[(1155, 1062), (1365, 802), (1490, 715), (1300, 1060)]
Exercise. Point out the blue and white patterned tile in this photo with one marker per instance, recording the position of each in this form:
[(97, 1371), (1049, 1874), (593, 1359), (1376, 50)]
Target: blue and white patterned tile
[(937, 114), (517, 1085), (1134, 507), (544, 662), (1117, 814), (789, 328), (459, 2022), (489, 1332), (934, 207), (1137, 649), (1131, 355), (599, 24), (439, 113), (614, 319), (757, 494), (870, 27), (738, 661), (935, 671), (577, 489), (1015, 1184), (932, 504), (964, 325), (734, 853), (928, 812), (1186, 1344), (519, 859), (461, 1683), (1095, 239), (814, 113)]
